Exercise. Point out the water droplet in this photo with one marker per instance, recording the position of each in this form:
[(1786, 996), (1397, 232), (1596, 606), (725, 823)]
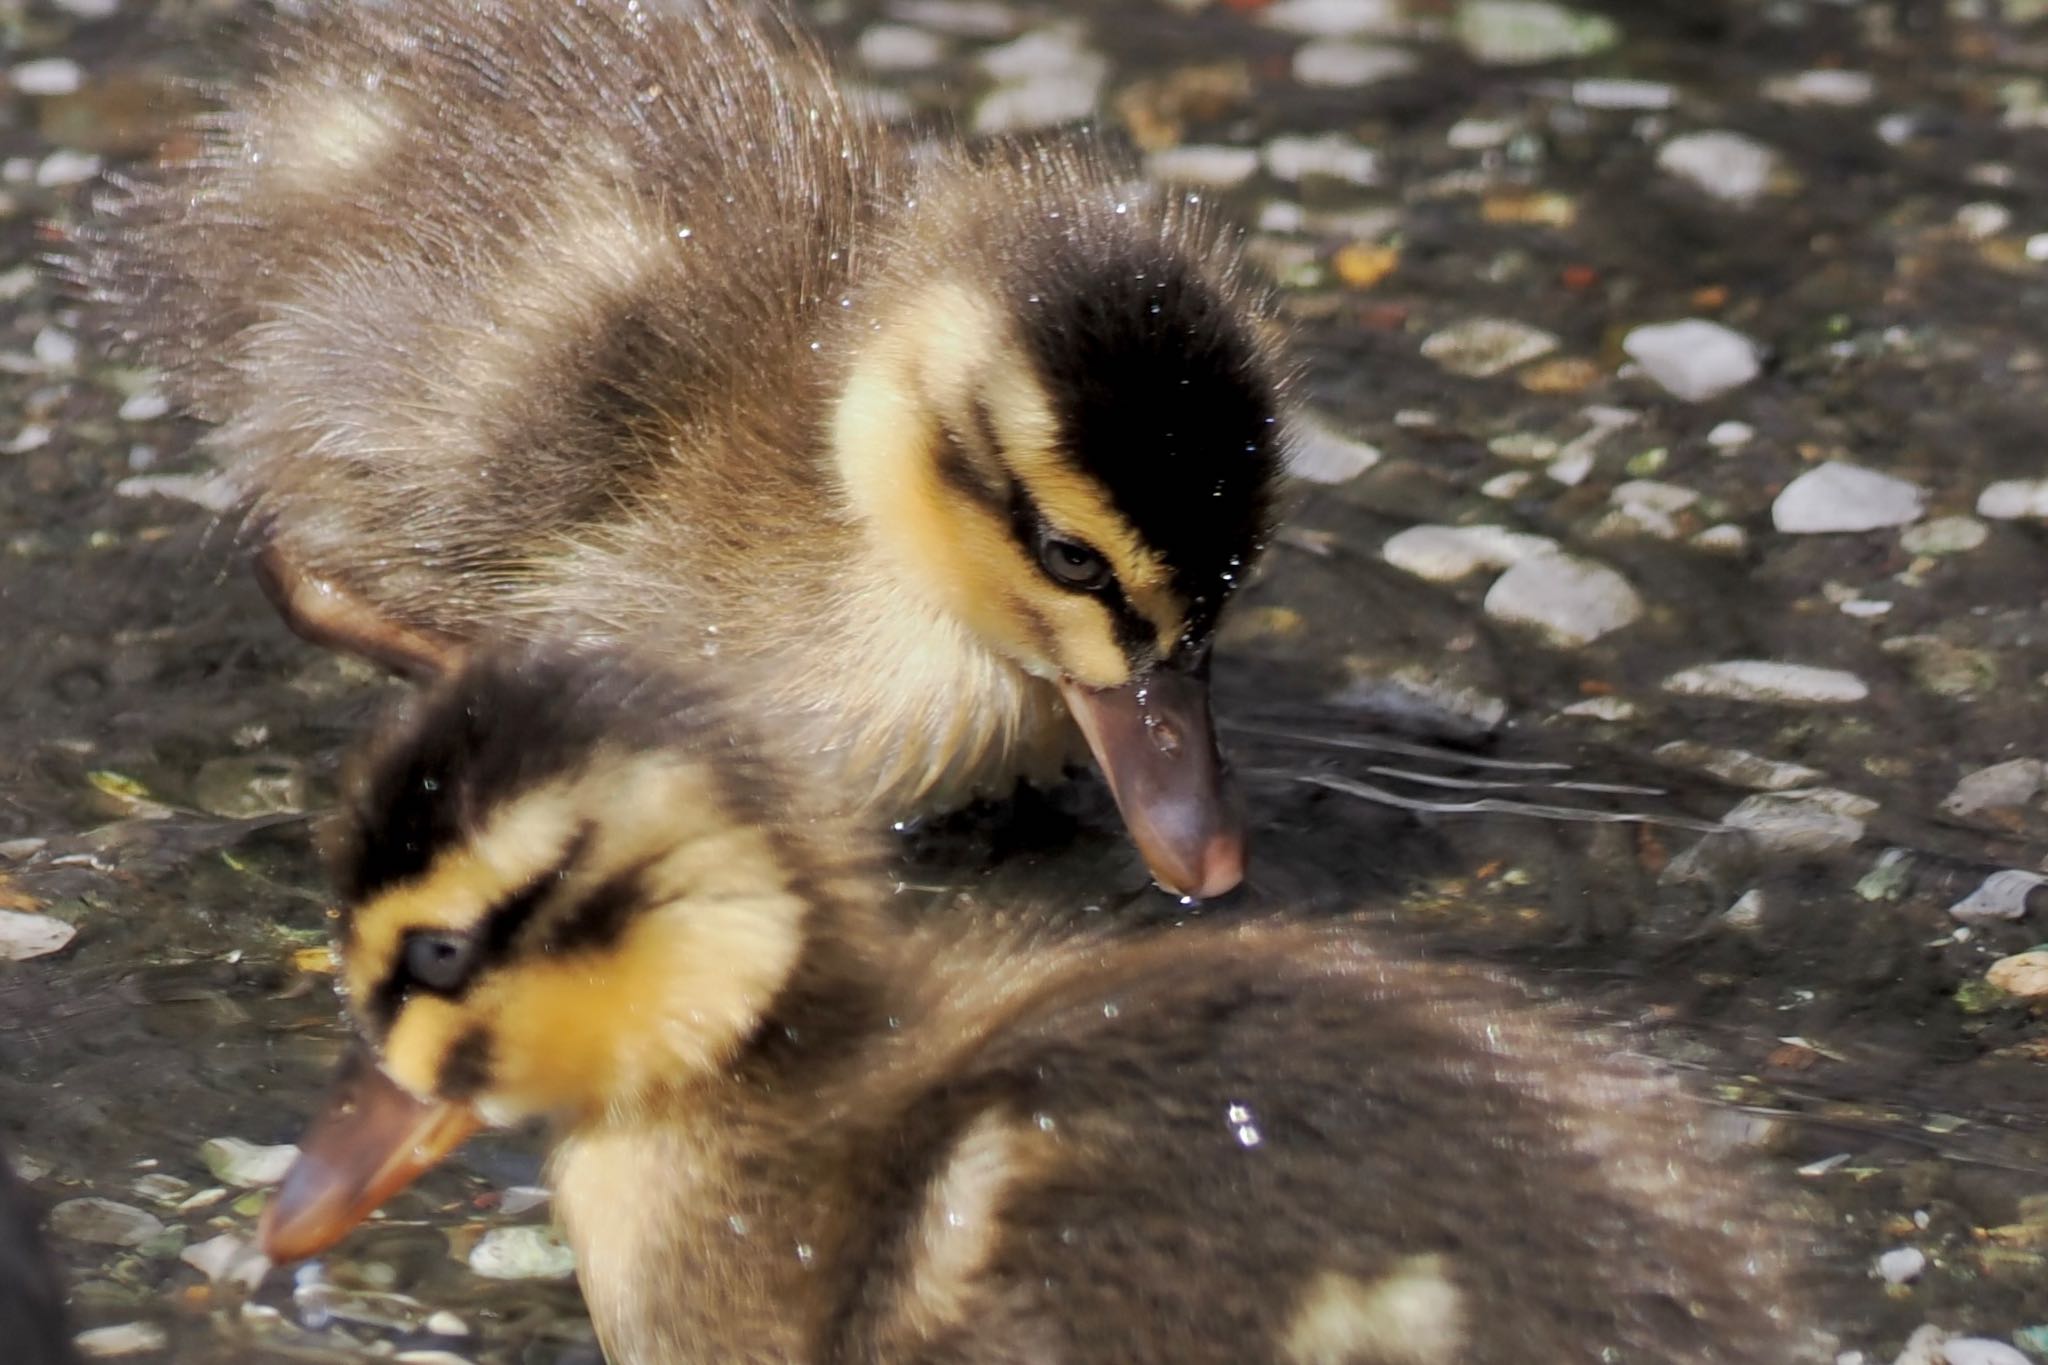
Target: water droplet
[(684, 232), (737, 1224), (1125, 208), (1248, 1135), (1045, 1122), (805, 1253), (1110, 1011)]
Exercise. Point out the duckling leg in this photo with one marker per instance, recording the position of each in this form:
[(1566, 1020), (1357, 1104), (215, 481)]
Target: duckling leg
[(324, 613)]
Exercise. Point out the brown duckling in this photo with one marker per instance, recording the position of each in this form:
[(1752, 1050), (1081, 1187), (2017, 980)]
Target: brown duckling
[(514, 313), (792, 1129)]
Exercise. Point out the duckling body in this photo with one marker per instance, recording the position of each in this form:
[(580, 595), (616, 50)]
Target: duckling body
[(624, 320), (793, 1130)]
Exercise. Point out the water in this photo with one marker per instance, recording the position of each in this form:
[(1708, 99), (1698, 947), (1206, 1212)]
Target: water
[(1840, 1010)]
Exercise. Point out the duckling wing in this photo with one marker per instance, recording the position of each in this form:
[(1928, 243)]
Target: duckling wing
[(459, 283)]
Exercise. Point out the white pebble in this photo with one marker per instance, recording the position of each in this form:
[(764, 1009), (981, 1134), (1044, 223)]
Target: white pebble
[(1050, 51), (55, 349), (1212, 167), (1693, 359), (1525, 32), (1039, 103), (1332, 64), (1731, 435), (34, 436), (1652, 497), (246, 1164), (1901, 1264), (128, 1339), (227, 1259), (1982, 221), (1944, 536), (24, 935), (1747, 912), (1444, 554), (1981, 1351), (1572, 467), (1480, 347), (1601, 708), (1336, 18), (1722, 538), (1572, 600), (1319, 453), (1509, 486), (1727, 166), (2037, 247), (1837, 497), (104, 1222), (1331, 155), (146, 406), (2012, 499), (214, 492), (2001, 896), (48, 76), (899, 47), (1795, 822), (16, 283), (962, 18), (59, 169), (446, 1324), (1839, 89), (1739, 766), (1999, 787), (1481, 134), (1615, 93), (1766, 680), (522, 1253)]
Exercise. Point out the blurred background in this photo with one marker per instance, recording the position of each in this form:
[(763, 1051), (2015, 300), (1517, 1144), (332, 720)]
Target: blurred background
[(1661, 615)]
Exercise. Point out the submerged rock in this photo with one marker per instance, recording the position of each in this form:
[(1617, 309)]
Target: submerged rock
[(1726, 166), (2001, 786), (1444, 554), (523, 1253), (2001, 896), (1765, 680), (1901, 1264), (127, 1339), (1842, 497), (1803, 823), (24, 935), (1944, 536), (2022, 974), (1334, 65), (246, 1164), (1693, 359), (1480, 347), (2014, 499), (105, 1222), (1319, 453), (1525, 32), (1574, 601)]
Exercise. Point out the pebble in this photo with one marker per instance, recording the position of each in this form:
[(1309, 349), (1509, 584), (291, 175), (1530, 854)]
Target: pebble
[(961, 18), (1040, 102), (1828, 86), (899, 47), (1479, 347), (1616, 93), (1481, 134), (1526, 32), (1945, 668), (34, 436), (2002, 786), (1332, 64), (2012, 499), (1944, 536), (215, 492), (1319, 453), (1901, 1264), (522, 1253), (1444, 554), (446, 1324), (1574, 601), (1888, 877), (1844, 497), (1728, 436), (1739, 766), (521, 1198), (55, 349), (59, 169), (1602, 708), (105, 1222), (2001, 896), (24, 935), (1509, 486), (1652, 507), (89, 9), (1331, 155), (1923, 1347), (246, 1165), (1211, 166), (1693, 359), (2022, 974), (1747, 912), (48, 76), (1728, 166), (145, 406), (227, 1259), (1336, 18), (128, 1339), (1981, 1351), (1723, 538), (1766, 680), (1795, 822)]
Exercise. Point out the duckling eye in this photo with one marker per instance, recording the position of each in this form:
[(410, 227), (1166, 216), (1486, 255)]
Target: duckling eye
[(438, 962), (1073, 564)]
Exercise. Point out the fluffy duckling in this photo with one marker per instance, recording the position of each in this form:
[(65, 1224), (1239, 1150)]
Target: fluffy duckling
[(791, 1129), (513, 311), (31, 1296)]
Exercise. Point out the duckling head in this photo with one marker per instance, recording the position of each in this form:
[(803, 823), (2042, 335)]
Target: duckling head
[(569, 891), (1063, 430)]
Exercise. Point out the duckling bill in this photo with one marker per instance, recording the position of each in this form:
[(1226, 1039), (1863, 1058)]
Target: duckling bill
[(624, 320), (791, 1129)]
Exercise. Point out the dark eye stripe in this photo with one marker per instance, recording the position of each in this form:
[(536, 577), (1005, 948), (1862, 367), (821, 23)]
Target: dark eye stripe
[(466, 1069)]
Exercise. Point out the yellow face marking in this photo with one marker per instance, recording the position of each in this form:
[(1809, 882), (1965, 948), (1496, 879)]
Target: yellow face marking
[(947, 359), (686, 980), (1413, 1313)]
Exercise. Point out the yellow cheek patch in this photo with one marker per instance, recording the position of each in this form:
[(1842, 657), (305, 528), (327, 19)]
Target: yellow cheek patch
[(426, 1032)]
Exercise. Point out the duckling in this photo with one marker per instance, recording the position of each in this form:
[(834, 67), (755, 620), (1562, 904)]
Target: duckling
[(626, 315), (792, 1128), (31, 1297)]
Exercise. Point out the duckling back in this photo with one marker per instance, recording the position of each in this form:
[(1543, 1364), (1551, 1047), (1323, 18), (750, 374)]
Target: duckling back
[(1276, 1144), (454, 277)]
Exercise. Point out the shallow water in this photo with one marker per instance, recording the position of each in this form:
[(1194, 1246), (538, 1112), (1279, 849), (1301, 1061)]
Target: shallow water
[(164, 737)]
